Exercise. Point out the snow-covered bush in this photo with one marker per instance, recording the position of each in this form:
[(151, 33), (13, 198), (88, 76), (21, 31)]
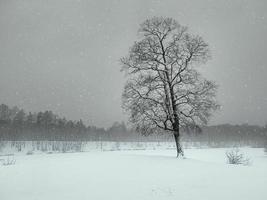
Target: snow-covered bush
[(9, 160), (236, 157), (117, 144), (29, 153)]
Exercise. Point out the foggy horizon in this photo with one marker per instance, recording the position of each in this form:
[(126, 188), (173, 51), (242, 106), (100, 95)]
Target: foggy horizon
[(64, 56), (133, 99)]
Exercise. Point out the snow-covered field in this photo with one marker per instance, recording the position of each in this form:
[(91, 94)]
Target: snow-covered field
[(134, 175)]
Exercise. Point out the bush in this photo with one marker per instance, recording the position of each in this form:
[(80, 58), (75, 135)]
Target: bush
[(236, 157), (9, 160), (29, 153)]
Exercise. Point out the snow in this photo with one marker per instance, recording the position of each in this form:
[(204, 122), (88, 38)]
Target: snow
[(135, 174)]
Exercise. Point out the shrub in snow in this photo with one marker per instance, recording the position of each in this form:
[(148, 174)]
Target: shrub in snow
[(236, 157), (29, 153), (9, 160), (117, 144)]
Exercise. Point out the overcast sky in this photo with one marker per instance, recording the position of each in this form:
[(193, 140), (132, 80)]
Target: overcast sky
[(62, 55)]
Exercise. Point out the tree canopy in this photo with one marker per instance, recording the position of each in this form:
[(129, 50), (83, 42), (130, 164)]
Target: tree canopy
[(164, 89)]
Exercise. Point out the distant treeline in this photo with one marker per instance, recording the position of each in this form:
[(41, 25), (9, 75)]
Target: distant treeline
[(17, 125), (230, 135)]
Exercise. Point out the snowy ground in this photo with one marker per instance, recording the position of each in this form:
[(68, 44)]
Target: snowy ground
[(134, 175)]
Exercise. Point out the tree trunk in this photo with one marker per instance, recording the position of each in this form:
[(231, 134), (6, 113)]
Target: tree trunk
[(179, 148)]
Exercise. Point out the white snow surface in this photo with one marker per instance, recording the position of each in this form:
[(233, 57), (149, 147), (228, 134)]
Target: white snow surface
[(134, 175)]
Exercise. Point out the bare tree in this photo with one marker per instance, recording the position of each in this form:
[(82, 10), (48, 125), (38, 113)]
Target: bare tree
[(164, 90)]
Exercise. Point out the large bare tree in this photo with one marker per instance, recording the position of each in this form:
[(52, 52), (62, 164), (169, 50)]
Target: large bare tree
[(164, 90)]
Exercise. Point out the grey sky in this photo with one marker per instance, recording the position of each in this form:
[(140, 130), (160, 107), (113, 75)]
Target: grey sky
[(62, 55)]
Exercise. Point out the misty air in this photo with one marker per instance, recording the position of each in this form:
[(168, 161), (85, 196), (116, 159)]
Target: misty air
[(147, 100)]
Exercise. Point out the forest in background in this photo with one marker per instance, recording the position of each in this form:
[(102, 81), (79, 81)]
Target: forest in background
[(18, 125)]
